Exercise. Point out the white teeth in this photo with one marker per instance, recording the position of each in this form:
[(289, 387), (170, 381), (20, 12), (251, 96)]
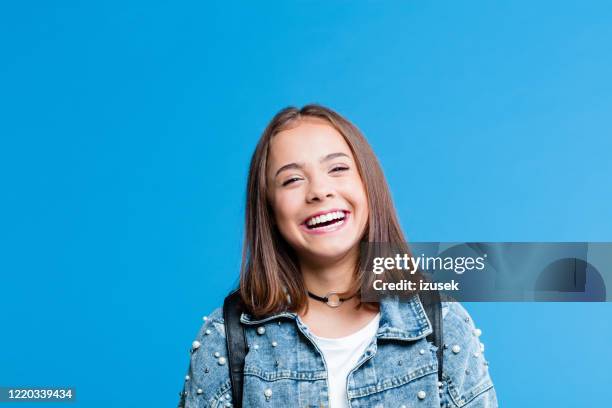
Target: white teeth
[(325, 218)]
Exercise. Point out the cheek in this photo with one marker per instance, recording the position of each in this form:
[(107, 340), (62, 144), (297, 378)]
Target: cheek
[(361, 199), (285, 216), (285, 209), (365, 211), (360, 196)]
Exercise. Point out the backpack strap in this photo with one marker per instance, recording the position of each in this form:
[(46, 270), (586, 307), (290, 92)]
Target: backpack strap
[(236, 344), (433, 309)]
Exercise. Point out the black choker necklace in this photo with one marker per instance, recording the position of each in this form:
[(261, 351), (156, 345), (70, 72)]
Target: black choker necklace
[(331, 299)]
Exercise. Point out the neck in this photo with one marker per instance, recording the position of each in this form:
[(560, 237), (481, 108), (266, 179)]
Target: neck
[(333, 276)]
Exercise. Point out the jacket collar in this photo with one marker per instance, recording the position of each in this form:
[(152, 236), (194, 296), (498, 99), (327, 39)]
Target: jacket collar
[(403, 319), (399, 319)]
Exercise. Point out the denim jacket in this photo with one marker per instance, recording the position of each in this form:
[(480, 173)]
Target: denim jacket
[(284, 367)]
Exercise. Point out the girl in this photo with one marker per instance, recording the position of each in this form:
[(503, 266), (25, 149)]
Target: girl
[(315, 192)]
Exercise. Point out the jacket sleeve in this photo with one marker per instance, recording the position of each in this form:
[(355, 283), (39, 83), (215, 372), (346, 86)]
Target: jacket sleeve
[(466, 382), (207, 382)]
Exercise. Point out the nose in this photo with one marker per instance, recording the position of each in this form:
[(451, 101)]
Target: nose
[(319, 190)]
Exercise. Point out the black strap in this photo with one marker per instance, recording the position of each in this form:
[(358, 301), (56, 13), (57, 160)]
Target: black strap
[(325, 299), (236, 344), (433, 308)]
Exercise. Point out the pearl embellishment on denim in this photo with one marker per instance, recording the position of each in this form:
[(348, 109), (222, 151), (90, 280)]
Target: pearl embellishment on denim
[(207, 332), (456, 348), (261, 330), (199, 391), (477, 332), (217, 354), (195, 345), (186, 378), (421, 351), (421, 395), (221, 361), (274, 344), (268, 393)]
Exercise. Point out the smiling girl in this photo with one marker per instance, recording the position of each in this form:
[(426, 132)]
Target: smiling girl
[(315, 192)]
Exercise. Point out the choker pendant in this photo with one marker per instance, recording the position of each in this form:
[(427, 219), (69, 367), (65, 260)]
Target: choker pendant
[(332, 299)]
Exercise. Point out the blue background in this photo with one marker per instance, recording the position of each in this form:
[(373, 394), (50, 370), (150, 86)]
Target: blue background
[(126, 130)]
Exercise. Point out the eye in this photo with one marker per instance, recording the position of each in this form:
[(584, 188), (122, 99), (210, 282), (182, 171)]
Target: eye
[(339, 168), (289, 181)]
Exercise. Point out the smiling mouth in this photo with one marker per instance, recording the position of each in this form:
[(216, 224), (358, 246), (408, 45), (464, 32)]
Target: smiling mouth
[(325, 220)]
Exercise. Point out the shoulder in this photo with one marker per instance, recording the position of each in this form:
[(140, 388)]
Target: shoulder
[(467, 380), (207, 383)]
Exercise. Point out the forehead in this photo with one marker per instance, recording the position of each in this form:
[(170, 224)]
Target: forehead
[(309, 140)]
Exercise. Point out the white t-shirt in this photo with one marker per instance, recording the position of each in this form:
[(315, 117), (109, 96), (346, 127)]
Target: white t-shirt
[(341, 356)]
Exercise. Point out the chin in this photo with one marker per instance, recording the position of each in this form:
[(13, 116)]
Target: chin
[(330, 252)]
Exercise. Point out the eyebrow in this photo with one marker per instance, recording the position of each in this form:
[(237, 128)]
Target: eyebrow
[(301, 165)]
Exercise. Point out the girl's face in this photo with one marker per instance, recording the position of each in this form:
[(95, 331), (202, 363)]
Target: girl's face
[(319, 201)]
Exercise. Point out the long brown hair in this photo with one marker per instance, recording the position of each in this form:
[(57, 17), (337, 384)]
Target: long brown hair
[(270, 279)]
